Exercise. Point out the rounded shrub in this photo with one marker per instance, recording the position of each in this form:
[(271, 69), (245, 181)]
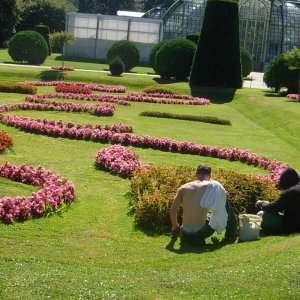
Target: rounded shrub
[(194, 37), (175, 58), (246, 62), (29, 46), (278, 75), (116, 66), (128, 52), (44, 31), (153, 52)]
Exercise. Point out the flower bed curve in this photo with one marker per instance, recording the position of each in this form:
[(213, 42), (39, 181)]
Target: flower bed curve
[(118, 160), (54, 193)]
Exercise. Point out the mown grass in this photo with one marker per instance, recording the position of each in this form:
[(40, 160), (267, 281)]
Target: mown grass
[(93, 250)]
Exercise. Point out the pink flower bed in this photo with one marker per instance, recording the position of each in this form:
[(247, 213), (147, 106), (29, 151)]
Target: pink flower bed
[(101, 134), (61, 68), (90, 97), (92, 86), (61, 129), (118, 159), (133, 97), (106, 109), (54, 193), (294, 96)]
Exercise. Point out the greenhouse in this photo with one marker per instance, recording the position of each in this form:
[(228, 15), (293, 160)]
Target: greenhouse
[(94, 34), (267, 28)]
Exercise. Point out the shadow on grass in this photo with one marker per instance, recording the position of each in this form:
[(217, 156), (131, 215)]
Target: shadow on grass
[(275, 95), (51, 75), (190, 248)]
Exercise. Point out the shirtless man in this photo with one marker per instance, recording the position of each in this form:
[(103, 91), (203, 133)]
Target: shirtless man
[(195, 225)]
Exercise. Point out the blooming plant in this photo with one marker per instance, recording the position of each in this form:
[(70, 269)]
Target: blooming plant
[(118, 159), (92, 86), (62, 68), (76, 89), (294, 96), (54, 193), (6, 142)]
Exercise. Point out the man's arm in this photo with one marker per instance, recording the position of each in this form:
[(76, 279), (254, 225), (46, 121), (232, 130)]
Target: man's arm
[(278, 205), (173, 210)]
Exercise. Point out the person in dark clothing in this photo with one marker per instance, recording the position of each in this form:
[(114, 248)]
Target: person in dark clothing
[(282, 216)]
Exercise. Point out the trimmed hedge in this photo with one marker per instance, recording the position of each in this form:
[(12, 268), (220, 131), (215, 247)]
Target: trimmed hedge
[(128, 52), (205, 119), (156, 89), (153, 52), (278, 75), (174, 59), (217, 60), (116, 66), (6, 142), (153, 190), (246, 62), (44, 31), (11, 87), (29, 46)]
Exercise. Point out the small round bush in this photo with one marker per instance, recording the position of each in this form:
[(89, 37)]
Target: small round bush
[(194, 37), (29, 46), (278, 75), (246, 62), (175, 58), (153, 52), (128, 52), (116, 66)]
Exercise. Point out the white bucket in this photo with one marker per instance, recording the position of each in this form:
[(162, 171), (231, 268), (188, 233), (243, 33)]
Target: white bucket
[(249, 227)]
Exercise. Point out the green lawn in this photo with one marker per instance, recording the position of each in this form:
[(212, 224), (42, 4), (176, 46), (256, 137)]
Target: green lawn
[(93, 251)]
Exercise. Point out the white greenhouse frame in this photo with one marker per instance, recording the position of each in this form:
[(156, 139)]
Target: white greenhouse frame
[(94, 34)]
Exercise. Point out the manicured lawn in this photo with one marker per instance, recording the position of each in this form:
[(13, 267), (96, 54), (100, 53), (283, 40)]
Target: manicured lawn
[(93, 250)]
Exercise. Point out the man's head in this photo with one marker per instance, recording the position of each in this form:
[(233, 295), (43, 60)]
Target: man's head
[(288, 178), (203, 172)]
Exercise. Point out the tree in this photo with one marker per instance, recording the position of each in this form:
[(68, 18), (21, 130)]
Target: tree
[(149, 4), (105, 7), (217, 59), (42, 12), (8, 19), (293, 61)]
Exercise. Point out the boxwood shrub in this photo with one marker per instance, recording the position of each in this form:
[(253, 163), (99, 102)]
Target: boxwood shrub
[(11, 87), (153, 190), (128, 51), (174, 59), (28, 46), (153, 52)]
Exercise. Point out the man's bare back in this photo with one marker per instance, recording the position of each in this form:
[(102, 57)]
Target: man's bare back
[(189, 197)]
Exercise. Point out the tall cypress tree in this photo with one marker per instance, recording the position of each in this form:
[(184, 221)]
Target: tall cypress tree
[(217, 59)]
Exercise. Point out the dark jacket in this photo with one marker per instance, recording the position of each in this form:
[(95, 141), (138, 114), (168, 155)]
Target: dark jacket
[(288, 202)]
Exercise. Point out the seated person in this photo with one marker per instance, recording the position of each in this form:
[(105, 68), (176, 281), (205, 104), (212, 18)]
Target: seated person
[(283, 215), (205, 209)]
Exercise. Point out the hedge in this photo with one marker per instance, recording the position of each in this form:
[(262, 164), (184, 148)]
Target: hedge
[(11, 87), (153, 190)]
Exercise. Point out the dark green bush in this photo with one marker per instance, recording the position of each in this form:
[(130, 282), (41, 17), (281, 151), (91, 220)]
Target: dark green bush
[(116, 66), (205, 119), (157, 89), (246, 62), (29, 46), (128, 52), (217, 61), (44, 31), (174, 59), (11, 87), (278, 75), (194, 37), (153, 190), (154, 50)]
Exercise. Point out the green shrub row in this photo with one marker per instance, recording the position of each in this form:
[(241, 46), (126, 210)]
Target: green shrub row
[(153, 190), (205, 119), (156, 89), (11, 87)]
